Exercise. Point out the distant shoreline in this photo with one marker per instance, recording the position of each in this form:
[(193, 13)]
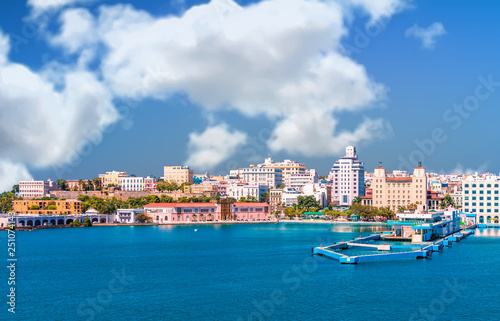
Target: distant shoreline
[(201, 223), (42, 227)]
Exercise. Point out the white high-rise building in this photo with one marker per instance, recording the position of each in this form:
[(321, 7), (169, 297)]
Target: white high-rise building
[(348, 178)]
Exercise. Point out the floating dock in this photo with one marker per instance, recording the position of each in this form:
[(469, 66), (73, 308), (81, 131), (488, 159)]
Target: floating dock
[(385, 251)]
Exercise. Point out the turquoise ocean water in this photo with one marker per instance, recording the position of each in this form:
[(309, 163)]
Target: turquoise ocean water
[(242, 272)]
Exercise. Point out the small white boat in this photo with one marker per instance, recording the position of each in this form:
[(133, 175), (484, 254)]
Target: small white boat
[(196, 230)]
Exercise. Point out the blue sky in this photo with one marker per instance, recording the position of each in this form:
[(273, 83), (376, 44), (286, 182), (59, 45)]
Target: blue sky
[(224, 89)]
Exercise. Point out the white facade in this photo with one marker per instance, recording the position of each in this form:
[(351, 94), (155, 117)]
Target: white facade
[(480, 196), (36, 189), (318, 191), (238, 190), (272, 177), (289, 196), (297, 181), (134, 184), (347, 176), (127, 215)]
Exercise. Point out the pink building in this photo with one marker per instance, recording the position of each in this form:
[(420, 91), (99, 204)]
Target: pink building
[(36, 189), (150, 184), (207, 212)]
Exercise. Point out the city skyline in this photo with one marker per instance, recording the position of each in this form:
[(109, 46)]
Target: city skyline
[(421, 83)]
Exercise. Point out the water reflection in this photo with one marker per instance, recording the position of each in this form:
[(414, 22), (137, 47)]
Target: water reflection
[(359, 228), (487, 232)]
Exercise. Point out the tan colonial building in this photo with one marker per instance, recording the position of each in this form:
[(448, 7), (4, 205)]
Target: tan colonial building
[(397, 191), (178, 174), (112, 178)]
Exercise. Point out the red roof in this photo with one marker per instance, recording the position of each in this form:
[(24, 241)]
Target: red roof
[(250, 204), (399, 179), (180, 205)]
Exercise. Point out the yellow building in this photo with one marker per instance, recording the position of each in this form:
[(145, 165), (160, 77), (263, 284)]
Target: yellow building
[(112, 178), (199, 189), (178, 174), (48, 207)]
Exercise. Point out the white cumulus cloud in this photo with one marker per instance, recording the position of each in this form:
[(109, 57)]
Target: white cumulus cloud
[(11, 173), (426, 35), (41, 125), (40, 6), (277, 58), (213, 146)]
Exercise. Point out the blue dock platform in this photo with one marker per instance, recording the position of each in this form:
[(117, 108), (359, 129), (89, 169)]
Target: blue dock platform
[(384, 252)]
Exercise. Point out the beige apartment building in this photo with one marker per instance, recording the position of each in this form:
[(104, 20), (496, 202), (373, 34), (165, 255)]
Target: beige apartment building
[(288, 167), (178, 174), (398, 191), (112, 178)]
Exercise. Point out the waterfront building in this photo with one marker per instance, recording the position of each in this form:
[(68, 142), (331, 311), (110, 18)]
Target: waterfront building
[(112, 178), (288, 167), (47, 207), (23, 220), (272, 177), (348, 178), (132, 184), (178, 174), (214, 211), (480, 196), (423, 226), (238, 190), (400, 191), (126, 215), (36, 189)]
